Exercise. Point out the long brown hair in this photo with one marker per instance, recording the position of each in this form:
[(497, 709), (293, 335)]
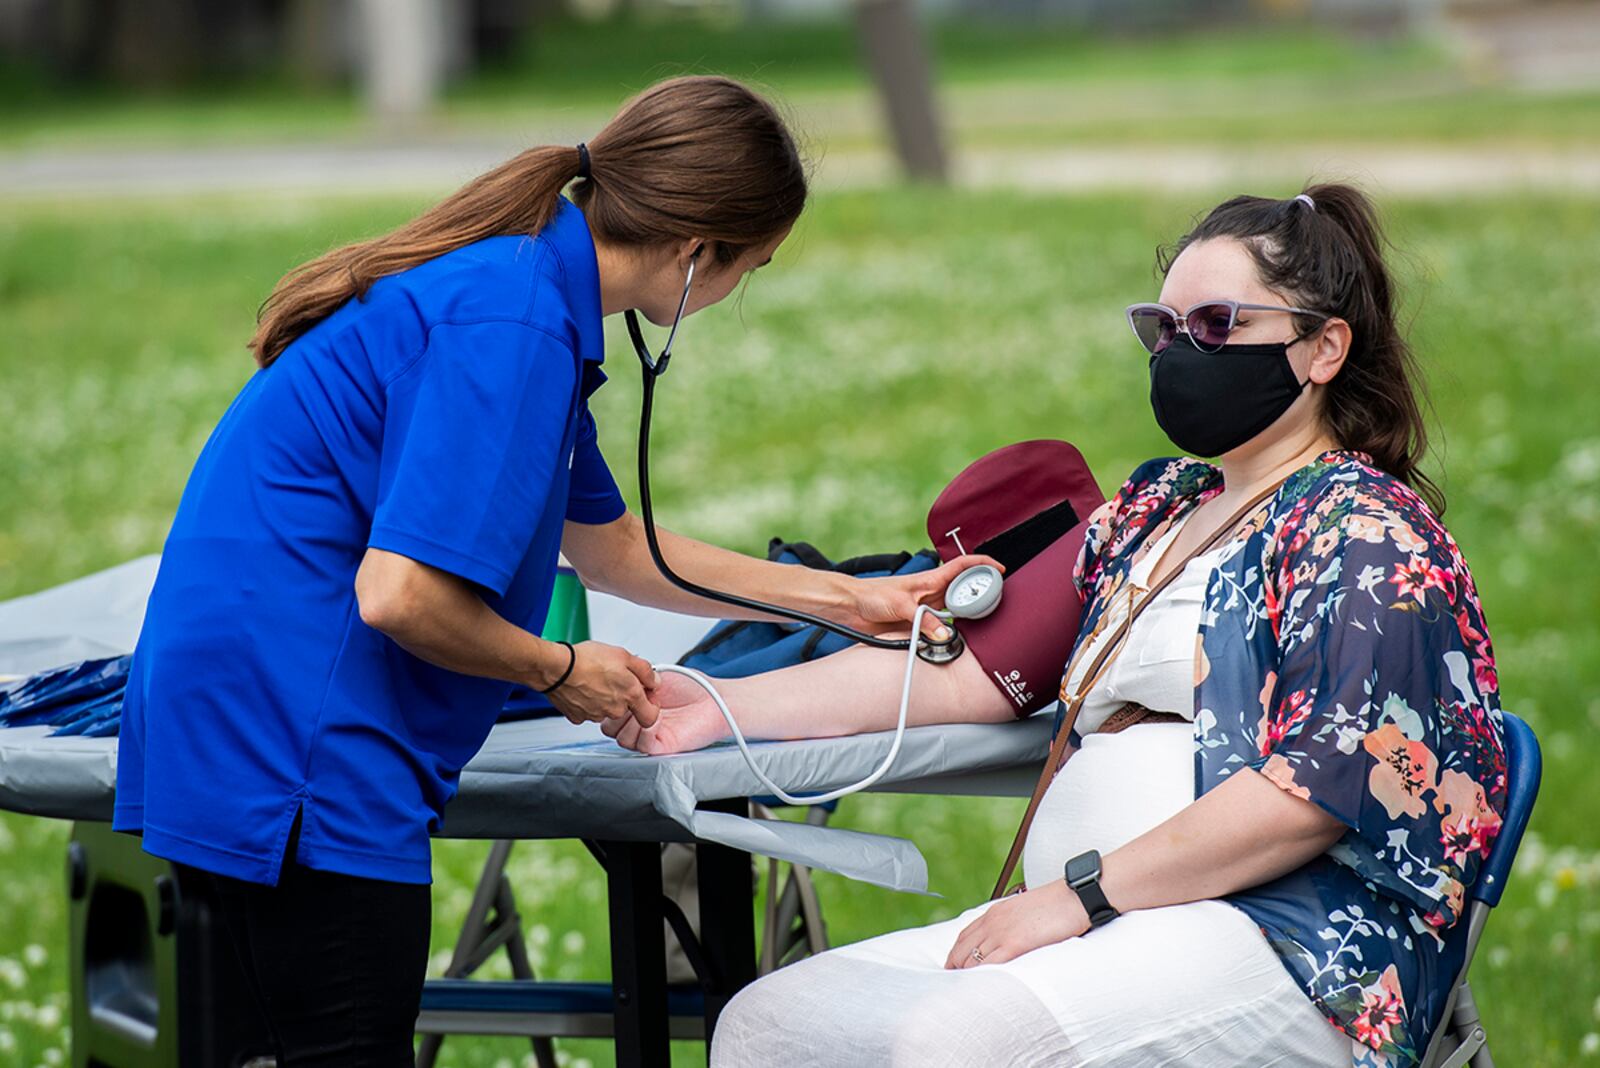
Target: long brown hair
[(698, 156), (1329, 256)]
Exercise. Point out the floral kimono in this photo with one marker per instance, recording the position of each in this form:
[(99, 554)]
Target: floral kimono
[(1342, 654)]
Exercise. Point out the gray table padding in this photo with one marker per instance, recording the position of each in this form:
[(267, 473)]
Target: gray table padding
[(545, 778)]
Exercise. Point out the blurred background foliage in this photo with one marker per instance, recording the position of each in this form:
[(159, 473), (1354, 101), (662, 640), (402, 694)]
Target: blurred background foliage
[(905, 328)]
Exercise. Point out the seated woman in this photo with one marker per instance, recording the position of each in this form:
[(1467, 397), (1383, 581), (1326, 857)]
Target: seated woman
[(1287, 842)]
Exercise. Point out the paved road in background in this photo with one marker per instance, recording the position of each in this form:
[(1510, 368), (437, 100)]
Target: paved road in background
[(437, 166)]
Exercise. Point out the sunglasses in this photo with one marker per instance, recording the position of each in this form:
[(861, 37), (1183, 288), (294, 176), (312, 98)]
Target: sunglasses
[(1208, 325)]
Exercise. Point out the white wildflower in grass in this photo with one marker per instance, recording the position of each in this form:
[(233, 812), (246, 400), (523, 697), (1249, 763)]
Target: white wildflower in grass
[(34, 954), (12, 974), (1499, 956), (539, 935), (572, 943), (1590, 1044), (8, 1041), (1581, 461), (53, 1056), (48, 1018)]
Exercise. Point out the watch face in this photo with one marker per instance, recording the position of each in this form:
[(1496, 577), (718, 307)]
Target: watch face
[(1082, 868)]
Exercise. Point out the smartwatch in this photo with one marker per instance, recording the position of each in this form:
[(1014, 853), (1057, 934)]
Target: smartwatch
[(1083, 876)]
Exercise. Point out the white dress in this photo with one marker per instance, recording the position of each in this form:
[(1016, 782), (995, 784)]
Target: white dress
[(1193, 984)]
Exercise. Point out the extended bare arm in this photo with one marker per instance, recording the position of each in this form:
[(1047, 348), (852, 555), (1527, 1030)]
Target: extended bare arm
[(851, 692)]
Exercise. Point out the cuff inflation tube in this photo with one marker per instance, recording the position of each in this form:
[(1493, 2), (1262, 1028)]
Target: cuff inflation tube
[(831, 795)]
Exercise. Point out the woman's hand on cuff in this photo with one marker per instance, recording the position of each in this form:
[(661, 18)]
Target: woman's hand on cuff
[(880, 605)]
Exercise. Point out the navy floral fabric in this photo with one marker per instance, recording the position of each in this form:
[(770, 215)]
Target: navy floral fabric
[(1342, 653)]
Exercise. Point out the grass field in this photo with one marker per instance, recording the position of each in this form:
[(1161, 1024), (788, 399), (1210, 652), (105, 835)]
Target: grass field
[(899, 334)]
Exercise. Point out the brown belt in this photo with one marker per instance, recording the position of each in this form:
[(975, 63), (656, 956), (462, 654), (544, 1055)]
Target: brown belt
[(1132, 713)]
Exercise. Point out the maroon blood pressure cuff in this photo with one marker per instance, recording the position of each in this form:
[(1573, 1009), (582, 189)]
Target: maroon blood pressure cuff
[(1025, 505)]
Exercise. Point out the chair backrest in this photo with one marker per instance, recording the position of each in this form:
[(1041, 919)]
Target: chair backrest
[(1523, 768)]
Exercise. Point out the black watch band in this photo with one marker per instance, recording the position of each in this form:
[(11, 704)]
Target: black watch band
[(1082, 873)]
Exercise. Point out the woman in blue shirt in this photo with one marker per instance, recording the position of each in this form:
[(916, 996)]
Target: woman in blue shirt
[(365, 550)]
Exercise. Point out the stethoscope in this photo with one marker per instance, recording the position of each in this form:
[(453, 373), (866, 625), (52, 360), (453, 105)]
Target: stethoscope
[(972, 595)]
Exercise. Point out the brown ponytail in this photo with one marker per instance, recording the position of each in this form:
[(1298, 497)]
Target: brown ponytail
[(689, 157), (1329, 257)]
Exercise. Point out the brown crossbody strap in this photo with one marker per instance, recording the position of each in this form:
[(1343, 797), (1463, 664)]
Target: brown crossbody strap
[(1092, 677)]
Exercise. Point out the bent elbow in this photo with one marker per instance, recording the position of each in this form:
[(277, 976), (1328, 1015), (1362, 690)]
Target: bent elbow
[(376, 610), (592, 579), (384, 599)]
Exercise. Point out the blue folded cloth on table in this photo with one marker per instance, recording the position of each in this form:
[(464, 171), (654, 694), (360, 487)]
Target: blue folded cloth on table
[(86, 698), (82, 698)]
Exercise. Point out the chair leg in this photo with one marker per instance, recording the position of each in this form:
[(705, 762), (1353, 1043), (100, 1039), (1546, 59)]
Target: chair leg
[(793, 926), (1467, 1027), (481, 935)]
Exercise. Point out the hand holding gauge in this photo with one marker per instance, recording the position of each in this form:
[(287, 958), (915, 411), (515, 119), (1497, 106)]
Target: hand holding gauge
[(975, 592)]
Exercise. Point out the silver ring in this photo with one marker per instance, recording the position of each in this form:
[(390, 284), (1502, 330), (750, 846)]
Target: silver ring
[(977, 955)]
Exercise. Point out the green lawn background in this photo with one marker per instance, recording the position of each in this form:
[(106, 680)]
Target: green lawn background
[(900, 333)]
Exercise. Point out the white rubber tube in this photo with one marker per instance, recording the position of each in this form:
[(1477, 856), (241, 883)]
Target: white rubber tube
[(831, 795)]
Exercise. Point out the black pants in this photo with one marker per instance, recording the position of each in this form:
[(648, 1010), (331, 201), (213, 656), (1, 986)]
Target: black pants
[(336, 961)]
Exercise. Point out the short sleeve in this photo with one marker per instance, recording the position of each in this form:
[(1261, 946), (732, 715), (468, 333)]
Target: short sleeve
[(593, 496), (1384, 710), (472, 437)]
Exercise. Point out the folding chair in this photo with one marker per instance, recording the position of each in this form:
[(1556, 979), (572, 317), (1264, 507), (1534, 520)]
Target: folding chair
[(1460, 1039)]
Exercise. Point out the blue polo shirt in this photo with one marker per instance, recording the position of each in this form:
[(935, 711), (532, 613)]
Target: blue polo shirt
[(443, 417)]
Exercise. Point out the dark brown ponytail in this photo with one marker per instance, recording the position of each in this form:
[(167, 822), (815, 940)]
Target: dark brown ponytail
[(689, 157), (1329, 256)]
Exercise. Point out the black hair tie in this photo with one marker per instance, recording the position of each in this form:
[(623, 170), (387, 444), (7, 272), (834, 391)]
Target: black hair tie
[(583, 160)]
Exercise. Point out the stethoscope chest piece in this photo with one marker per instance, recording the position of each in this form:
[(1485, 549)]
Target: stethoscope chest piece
[(934, 652), (974, 593)]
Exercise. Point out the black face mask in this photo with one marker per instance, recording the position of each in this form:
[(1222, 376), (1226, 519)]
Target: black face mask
[(1210, 403)]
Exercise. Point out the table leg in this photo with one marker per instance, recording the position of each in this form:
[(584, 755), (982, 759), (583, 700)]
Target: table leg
[(638, 954), (727, 917)]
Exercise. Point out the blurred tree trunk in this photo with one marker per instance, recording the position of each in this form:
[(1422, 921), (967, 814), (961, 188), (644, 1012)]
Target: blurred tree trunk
[(897, 56), (408, 48)]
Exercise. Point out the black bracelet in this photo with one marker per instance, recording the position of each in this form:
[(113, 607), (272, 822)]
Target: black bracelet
[(572, 659)]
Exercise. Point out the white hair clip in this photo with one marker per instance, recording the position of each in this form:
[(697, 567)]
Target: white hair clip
[(1308, 201)]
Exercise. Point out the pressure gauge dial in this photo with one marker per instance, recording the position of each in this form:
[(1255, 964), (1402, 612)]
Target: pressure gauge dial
[(975, 592)]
